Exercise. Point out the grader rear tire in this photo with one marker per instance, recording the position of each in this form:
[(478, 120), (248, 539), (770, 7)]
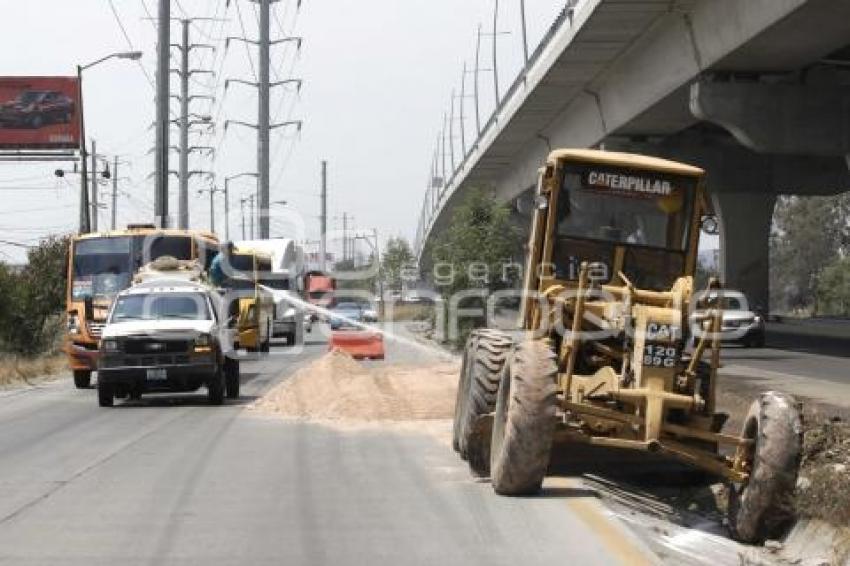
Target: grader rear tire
[(525, 420), (761, 508), (484, 357)]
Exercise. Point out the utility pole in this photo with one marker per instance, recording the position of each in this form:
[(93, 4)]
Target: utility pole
[(184, 123), (251, 212), (263, 125), (183, 201), (462, 104), (212, 191), (162, 120), (443, 151), (115, 193), (323, 245), (477, 71), (227, 181), (242, 209), (452, 131), (94, 199), (524, 31), (495, 52), (344, 236)]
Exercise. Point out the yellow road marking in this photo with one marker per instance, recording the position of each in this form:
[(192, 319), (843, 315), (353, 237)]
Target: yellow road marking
[(613, 535)]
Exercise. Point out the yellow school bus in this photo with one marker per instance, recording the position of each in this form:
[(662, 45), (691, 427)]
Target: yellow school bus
[(102, 264), (256, 302)]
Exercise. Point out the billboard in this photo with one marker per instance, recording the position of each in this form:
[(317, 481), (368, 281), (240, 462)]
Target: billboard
[(39, 113)]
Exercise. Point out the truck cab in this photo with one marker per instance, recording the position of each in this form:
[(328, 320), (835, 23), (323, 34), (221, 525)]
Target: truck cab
[(167, 336)]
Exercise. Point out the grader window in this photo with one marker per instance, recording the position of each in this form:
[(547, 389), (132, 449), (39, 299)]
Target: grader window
[(625, 207)]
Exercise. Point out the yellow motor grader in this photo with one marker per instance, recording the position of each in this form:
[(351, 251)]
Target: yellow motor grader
[(618, 349)]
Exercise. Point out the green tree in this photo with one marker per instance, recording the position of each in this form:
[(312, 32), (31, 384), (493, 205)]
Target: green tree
[(834, 289), (809, 234), (476, 252), (33, 296), (396, 260)]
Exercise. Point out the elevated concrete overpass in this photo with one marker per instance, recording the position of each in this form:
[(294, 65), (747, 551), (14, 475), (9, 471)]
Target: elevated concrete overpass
[(756, 91)]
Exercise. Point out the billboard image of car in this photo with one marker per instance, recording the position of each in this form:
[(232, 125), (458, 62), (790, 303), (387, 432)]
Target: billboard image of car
[(39, 113)]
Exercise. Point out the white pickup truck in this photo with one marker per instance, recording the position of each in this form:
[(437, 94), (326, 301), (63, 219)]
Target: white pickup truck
[(167, 336)]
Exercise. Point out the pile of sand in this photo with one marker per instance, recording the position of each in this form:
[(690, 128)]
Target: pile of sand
[(335, 387)]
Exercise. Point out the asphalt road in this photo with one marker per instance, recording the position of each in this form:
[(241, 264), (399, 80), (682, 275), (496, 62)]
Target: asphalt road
[(171, 480)]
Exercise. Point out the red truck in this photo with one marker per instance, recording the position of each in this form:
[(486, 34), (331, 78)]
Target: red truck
[(319, 289)]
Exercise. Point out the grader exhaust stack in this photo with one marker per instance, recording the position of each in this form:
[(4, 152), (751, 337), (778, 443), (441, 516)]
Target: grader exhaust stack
[(608, 309)]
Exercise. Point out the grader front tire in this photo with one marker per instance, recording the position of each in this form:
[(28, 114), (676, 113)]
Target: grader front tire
[(761, 508), (525, 420), (484, 359)]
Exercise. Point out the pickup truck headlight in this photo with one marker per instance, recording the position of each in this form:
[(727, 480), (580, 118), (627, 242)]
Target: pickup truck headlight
[(203, 344), (109, 345)]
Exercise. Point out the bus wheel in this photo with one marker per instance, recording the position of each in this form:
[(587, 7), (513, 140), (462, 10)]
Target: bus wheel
[(82, 378)]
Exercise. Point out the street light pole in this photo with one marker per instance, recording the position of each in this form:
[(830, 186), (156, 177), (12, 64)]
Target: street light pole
[(114, 193), (85, 211), (227, 204), (94, 199)]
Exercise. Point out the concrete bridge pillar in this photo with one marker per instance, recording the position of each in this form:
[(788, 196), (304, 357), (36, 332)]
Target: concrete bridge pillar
[(745, 221)]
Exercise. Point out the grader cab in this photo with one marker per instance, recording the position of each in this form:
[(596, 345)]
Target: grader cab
[(616, 349)]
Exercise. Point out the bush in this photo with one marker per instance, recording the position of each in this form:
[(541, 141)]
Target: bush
[(833, 291), (31, 300)]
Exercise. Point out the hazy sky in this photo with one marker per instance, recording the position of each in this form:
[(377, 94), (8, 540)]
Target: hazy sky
[(378, 77)]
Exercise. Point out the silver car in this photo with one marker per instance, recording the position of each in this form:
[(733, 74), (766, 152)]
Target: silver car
[(739, 324)]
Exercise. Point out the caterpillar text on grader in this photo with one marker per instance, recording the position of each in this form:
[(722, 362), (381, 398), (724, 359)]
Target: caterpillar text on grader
[(608, 308)]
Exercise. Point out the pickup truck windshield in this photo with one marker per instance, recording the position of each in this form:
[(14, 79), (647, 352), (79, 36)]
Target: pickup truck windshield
[(161, 306)]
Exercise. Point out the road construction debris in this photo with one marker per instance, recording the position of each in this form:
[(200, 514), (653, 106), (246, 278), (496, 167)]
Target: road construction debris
[(335, 387), (823, 490)]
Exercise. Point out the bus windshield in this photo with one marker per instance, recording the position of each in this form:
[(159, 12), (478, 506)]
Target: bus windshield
[(104, 266), (101, 267), (623, 206)]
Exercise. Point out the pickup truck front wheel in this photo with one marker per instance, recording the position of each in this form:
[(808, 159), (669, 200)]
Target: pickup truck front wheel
[(231, 378), (105, 395), (215, 389)]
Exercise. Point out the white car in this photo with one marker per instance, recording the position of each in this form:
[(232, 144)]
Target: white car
[(167, 336), (739, 324)]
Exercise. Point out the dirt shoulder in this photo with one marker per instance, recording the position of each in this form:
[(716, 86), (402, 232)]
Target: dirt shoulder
[(16, 370)]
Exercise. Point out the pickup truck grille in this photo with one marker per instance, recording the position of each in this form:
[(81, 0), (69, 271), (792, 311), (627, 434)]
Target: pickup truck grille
[(153, 348), (96, 329), (155, 360)]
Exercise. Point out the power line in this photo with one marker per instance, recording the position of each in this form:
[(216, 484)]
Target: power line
[(245, 37), (129, 41)]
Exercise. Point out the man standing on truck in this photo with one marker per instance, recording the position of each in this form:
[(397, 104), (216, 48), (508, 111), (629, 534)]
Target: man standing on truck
[(217, 274)]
